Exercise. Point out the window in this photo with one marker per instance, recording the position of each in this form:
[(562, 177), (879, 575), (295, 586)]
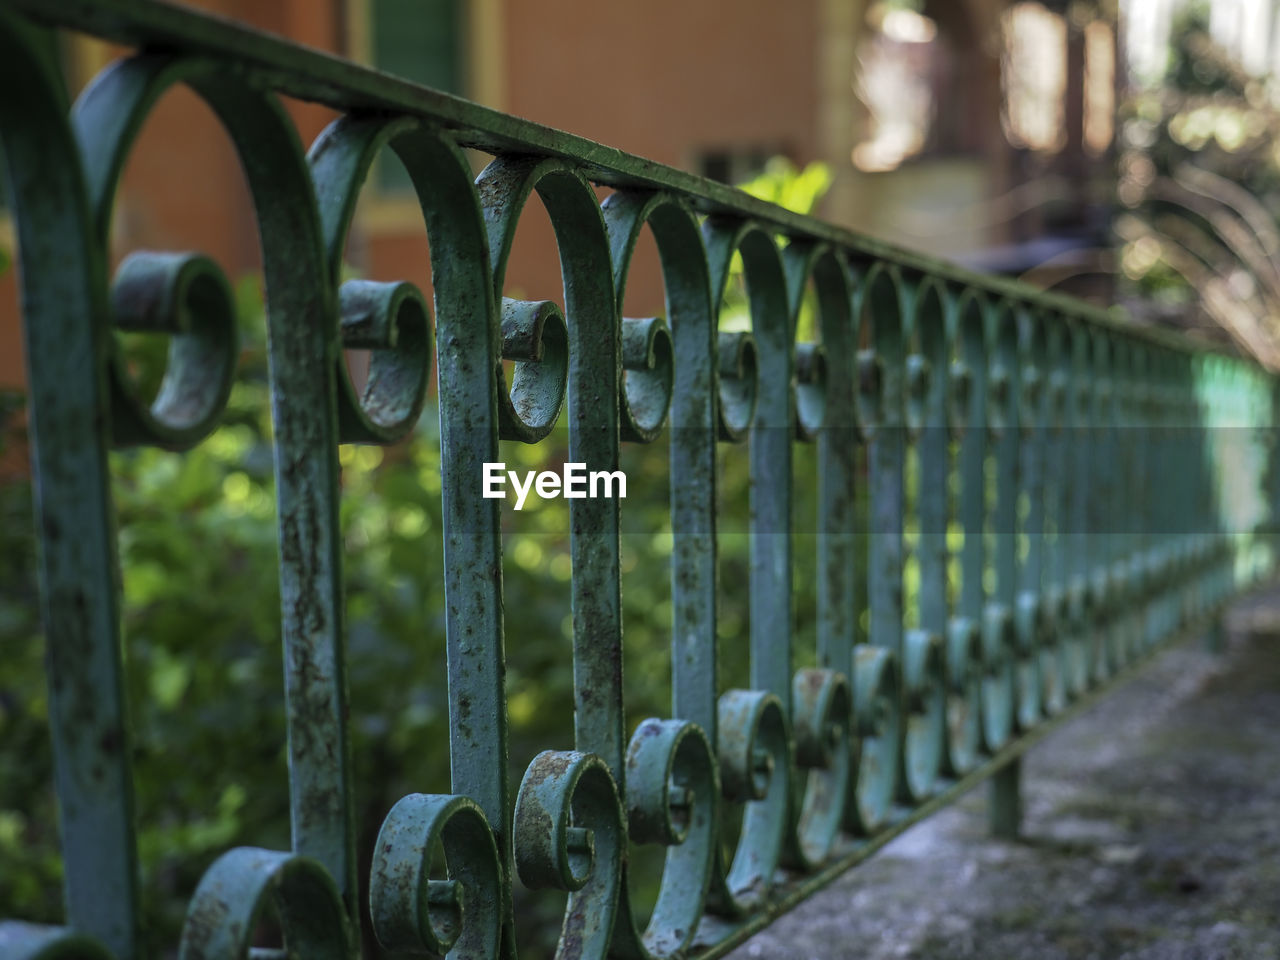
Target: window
[(924, 79), (900, 65), (422, 41), (1035, 77), (733, 165)]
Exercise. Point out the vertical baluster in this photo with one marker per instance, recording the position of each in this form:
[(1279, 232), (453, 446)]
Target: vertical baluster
[(972, 370), (884, 304), (1101, 501), (752, 739), (1129, 444), (66, 327), (1058, 503), (468, 351), (693, 429), (930, 397), (772, 433), (575, 784), (1271, 447), (821, 719), (1160, 464), (965, 660), (1004, 803), (1207, 541), (1079, 543), (1004, 487), (594, 371), (923, 657), (694, 684), (1197, 536), (927, 375), (1180, 509), (592, 397), (1140, 426), (301, 345), (838, 593), (884, 307), (1032, 611)]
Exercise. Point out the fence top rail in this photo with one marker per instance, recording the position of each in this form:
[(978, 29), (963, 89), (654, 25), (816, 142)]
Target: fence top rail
[(316, 76)]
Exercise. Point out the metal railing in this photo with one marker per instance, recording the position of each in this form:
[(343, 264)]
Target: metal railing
[(1111, 489)]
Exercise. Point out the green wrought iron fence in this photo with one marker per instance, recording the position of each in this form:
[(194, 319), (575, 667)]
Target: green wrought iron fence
[(1085, 490)]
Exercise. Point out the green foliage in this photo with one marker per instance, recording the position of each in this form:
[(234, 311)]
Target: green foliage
[(797, 190), (781, 182), (32, 875)]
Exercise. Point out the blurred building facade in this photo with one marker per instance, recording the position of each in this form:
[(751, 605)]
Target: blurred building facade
[(979, 130)]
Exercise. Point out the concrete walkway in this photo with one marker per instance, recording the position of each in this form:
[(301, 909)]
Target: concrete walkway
[(1151, 832)]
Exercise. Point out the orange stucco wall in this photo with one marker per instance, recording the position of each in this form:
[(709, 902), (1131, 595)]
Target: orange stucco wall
[(182, 187), (667, 76), (664, 79)]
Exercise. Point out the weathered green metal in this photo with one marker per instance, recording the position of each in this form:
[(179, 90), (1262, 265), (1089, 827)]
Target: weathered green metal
[(1107, 484)]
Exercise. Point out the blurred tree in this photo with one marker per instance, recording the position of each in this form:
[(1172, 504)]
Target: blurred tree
[(1199, 190)]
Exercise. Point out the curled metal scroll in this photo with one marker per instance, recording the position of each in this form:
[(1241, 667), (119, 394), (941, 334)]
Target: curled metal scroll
[(673, 795), (1055, 656), (754, 751), (737, 365), (33, 941), (186, 296), (1031, 638), (223, 917), (964, 705), (811, 389), (390, 320), (999, 677), (746, 361), (924, 683), (459, 914), (648, 363), (535, 336), (647, 371), (877, 713), (570, 835), (822, 702)]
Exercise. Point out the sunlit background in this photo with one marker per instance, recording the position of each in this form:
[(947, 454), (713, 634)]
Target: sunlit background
[(1111, 151)]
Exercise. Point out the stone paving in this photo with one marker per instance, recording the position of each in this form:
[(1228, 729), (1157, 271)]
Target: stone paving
[(1151, 832)]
